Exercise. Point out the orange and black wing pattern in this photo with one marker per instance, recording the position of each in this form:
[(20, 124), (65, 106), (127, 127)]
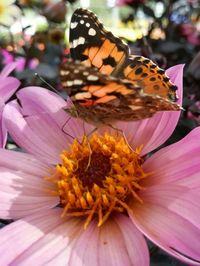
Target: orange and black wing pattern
[(93, 45), (105, 82), (100, 98), (152, 78)]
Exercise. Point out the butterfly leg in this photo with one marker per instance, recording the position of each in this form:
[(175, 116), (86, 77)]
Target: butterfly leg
[(90, 154), (92, 131), (87, 136), (121, 132), (73, 113), (63, 130)]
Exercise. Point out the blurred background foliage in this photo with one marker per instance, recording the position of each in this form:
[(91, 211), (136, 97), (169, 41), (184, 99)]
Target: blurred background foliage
[(34, 33)]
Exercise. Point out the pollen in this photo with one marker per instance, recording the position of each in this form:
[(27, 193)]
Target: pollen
[(98, 177)]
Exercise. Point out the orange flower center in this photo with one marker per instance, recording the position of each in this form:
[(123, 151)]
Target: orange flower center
[(97, 177)]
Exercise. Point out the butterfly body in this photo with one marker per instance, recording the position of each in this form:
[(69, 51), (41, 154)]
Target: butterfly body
[(105, 82)]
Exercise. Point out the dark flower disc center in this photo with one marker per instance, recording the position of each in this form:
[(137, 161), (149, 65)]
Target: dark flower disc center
[(93, 170)]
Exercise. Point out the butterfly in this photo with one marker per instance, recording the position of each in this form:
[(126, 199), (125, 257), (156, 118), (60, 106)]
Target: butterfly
[(105, 82)]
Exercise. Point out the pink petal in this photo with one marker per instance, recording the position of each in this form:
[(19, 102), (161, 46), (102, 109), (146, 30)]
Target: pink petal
[(176, 162), (46, 238), (7, 70), (36, 100), (26, 191), (160, 219), (135, 243), (3, 131), (154, 131), (191, 181), (23, 161), (7, 87), (36, 134), (43, 99), (116, 243), (41, 126), (86, 248), (111, 246), (179, 199), (38, 239)]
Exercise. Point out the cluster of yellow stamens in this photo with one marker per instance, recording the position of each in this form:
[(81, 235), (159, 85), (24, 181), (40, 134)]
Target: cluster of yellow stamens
[(97, 177)]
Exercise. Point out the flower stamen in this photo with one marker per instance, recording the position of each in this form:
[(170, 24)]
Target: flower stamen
[(105, 185)]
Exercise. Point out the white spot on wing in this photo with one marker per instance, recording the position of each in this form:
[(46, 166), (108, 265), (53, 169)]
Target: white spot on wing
[(82, 21), (74, 43), (83, 95), (135, 107), (92, 78), (73, 25), (87, 25), (78, 41), (85, 73), (78, 82), (69, 83), (64, 72), (92, 32)]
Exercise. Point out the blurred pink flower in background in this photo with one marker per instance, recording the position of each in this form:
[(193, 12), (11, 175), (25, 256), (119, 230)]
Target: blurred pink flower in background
[(190, 32), (19, 61), (164, 206), (8, 85)]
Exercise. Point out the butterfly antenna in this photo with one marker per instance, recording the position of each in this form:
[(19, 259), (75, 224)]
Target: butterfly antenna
[(48, 84)]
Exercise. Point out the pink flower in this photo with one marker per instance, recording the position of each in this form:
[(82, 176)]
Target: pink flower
[(164, 205), (8, 85), (190, 32), (19, 61)]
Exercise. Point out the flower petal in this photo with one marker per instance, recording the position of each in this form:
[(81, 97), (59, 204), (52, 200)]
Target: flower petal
[(179, 199), (135, 243), (37, 100), (116, 243), (7, 69), (177, 162), (160, 219), (7, 87), (40, 125), (39, 239), (23, 191), (154, 131), (46, 238), (112, 250), (3, 131), (43, 101), (22, 130), (25, 162)]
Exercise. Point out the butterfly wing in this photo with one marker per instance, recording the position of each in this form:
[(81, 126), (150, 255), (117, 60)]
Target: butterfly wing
[(152, 78), (100, 98), (82, 83), (92, 44)]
